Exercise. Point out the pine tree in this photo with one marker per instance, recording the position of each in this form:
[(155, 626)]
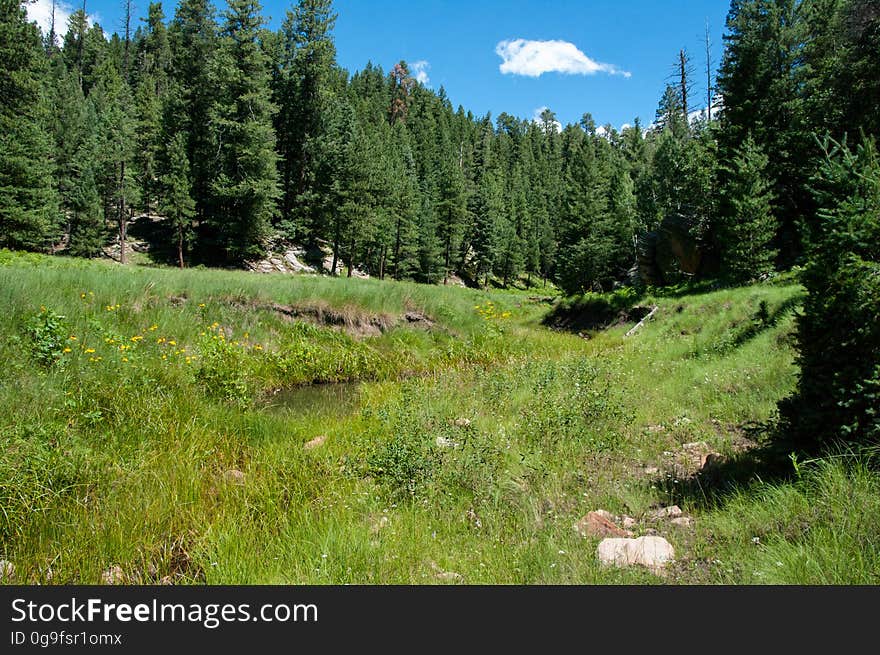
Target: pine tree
[(28, 201), (87, 232), (671, 114), (838, 335), (193, 40), (405, 203), (623, 212), (304, 93), (244, 187), (580, 255), (176, 193), (430, 247), (402, 84), (489, 212), (153, 64), (760, 84), (115, 131), (747, 224), (451, 211)]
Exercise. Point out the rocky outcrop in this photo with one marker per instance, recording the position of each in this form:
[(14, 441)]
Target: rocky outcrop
[(287, 260)]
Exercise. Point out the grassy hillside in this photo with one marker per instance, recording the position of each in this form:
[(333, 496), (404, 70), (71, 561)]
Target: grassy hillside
[(143, 436)]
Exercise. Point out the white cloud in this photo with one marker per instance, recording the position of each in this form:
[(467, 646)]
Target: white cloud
[(534, 58), (536, 118), (419, 70), (40, 12)]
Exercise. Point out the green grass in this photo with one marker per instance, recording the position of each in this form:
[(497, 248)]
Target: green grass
[(105, 462)]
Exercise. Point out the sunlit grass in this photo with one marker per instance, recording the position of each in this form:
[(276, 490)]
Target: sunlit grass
[(465, 454)]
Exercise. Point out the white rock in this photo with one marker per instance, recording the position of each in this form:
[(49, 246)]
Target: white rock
[(651, 552)]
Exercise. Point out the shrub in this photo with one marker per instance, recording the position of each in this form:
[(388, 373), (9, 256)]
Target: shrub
[(48, 336)]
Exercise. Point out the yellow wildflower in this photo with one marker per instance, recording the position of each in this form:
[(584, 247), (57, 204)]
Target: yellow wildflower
[(66, 350), (90, 350), (153, 328), (125, 359), (72, 338), (172, 343)]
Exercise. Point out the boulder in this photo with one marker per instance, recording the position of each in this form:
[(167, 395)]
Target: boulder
[(651, 552)]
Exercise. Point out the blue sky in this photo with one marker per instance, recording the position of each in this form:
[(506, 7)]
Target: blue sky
[(494, 55)]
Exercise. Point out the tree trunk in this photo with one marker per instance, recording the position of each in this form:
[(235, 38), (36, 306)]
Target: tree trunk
[(351, 258), (180, 243), (446, 259), (123, 219), (397, 251), (336, 237)]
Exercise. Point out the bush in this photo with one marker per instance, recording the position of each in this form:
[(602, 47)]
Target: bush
[(48, 336)]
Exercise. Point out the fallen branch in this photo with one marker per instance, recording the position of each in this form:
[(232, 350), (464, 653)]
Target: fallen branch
[(642, 322)]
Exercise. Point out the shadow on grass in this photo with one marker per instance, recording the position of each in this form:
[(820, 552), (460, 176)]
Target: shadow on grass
[(742, 332), (764, 319), (769, 460), (774, 459)]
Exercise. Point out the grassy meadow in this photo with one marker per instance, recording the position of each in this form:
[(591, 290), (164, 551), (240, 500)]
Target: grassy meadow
[(220, 427)]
